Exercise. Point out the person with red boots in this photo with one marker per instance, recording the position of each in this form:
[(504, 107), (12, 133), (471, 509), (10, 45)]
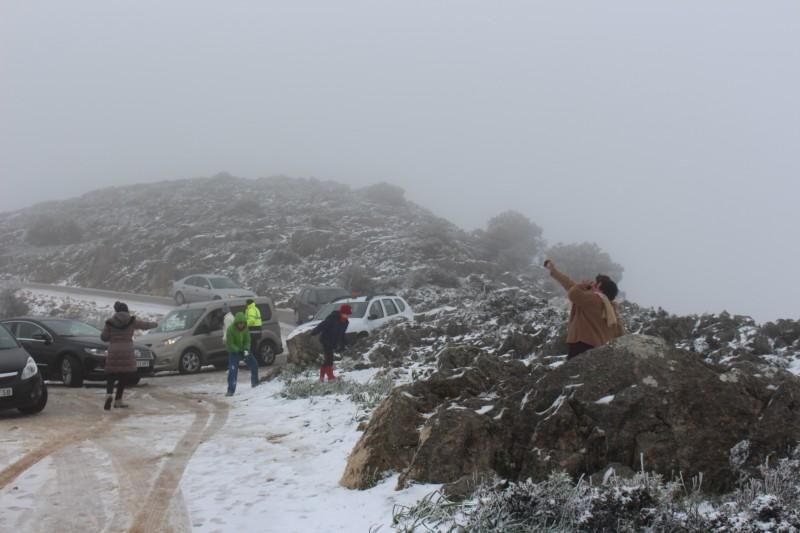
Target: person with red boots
[(331, 333)]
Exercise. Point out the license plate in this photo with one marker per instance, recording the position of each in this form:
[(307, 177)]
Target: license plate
[(6, 392), (142, 364)]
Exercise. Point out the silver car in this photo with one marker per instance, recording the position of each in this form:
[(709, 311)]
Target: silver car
[(207, 287)]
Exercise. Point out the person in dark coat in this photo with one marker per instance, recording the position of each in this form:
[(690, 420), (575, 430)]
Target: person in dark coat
[(121, 361), (332, 336)]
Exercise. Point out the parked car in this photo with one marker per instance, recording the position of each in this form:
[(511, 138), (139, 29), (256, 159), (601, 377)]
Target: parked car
[(308, 300), (69, 350), (191, 336), (205, 287), (369, 313), (21, 383)]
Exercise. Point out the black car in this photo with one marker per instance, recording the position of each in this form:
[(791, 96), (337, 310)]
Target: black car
[(309, 300), (21, 383), (69, 350)]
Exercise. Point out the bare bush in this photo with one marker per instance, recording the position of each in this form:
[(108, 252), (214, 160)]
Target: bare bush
[(511, 240), (11, 305)]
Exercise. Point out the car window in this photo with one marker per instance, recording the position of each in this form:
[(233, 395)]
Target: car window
[(12, 327), (194, 281), (323, 296), (266, 313), (71, 328), (179, 320), (7, 340), (400, 304), (223, 283), (26, 331), (391, 309), (375, 310)]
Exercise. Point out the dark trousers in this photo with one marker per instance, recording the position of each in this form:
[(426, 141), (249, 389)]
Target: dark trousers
[(233, 369), (120, 379), (577, 348)]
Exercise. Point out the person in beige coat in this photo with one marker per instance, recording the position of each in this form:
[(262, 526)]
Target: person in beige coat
[(594, 318), (121, 360)]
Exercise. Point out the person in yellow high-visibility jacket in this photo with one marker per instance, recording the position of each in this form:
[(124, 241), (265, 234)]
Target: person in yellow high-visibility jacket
[(253, 315)]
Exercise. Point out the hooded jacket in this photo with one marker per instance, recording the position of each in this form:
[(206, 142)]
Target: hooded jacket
[(593, 319), (332, 331), (253, 316), (118, 332), (236, 340)]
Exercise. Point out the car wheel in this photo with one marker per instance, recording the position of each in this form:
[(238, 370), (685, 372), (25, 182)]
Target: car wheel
[(134, 380), (71, 371), (266, 354), (38, 406), (179, 299), (189, 362)]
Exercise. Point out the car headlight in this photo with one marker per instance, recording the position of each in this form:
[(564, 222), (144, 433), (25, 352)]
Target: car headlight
[(173, 340), (30, 369), (99, 352)]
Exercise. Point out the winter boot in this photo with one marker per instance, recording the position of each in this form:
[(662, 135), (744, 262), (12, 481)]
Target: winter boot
[(329, 373), (109, 399)]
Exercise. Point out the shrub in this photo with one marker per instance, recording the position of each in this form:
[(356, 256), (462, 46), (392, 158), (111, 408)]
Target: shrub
[(47, 230), (11, 305), (512, 240), (384, 193), (584, 261)]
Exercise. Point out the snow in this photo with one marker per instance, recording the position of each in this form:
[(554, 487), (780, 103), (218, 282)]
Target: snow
[(276, 465), (605, 399), (43, 301)]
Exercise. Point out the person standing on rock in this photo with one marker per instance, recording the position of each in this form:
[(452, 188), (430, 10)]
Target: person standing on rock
[(253, 314), (121, 360), (237, 342), (594, 318), (332, 335)]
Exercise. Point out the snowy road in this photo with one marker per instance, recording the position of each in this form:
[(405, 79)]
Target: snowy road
[(76, 467)]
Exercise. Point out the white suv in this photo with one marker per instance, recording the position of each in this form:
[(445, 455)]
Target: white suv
[(369, 313)]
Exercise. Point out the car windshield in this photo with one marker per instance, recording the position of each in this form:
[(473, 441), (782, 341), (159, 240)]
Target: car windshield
[(179, 320), (71, 328), (7, 340), (359, 309), (223, 283)]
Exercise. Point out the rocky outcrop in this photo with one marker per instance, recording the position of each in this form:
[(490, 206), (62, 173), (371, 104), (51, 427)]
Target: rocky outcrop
[(636, 402)]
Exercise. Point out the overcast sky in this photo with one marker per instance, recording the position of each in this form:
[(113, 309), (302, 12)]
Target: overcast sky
[(669, 135)]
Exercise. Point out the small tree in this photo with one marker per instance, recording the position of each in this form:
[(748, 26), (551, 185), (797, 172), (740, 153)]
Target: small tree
[(384, 193), (584, 261), (512, 240)]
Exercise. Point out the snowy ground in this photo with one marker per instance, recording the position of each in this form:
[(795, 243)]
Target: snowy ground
[(185, 457), (276, 465)]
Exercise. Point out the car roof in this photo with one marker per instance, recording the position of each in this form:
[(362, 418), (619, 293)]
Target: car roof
[(365, 298), (229, 301), (39, 319)]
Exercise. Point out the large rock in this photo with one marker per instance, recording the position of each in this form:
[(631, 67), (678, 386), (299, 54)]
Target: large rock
[(634, 402)]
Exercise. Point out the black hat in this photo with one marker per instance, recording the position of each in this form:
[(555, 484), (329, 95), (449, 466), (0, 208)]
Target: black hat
[(120, 307)]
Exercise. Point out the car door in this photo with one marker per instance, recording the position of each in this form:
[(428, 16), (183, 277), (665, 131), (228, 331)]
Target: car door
[(375, 315), (392, 313), (193, 289), (38, 342), (205, 290), (209, 333)]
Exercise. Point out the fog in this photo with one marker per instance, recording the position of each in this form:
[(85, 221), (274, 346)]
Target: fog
[(667, 134)]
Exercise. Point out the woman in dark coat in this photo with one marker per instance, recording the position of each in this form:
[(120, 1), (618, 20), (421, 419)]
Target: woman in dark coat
[(121, 361)]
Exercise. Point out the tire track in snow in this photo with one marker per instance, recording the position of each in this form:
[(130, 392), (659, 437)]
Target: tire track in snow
[(210, 416)]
